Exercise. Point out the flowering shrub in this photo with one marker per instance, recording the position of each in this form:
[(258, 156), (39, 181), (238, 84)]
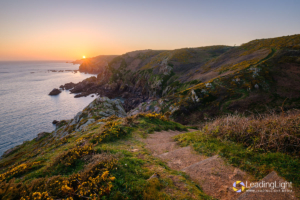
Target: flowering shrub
[(20, 169), (70, 156), (93, 183), (152, 116), (111, 130), (38, 196)]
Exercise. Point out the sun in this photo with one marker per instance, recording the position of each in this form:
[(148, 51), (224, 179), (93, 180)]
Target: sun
[(83, 57)]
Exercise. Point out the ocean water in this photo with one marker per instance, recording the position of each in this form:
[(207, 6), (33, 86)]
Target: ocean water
[(26, 109)]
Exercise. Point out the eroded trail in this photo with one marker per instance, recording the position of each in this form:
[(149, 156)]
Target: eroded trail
[(213, 174)]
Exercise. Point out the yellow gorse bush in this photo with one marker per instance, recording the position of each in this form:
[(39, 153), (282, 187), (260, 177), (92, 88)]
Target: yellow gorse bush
[(110, 129), (38, 196), (153, 116), (92, 183), (18, 170), (69, 157)]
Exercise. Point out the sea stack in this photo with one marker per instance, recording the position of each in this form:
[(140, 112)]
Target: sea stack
[(55, 91)]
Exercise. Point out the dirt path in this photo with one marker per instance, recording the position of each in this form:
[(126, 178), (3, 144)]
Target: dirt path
[(215, 177)]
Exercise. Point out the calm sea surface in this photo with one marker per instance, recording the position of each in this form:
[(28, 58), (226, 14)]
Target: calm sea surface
[(26, 109)]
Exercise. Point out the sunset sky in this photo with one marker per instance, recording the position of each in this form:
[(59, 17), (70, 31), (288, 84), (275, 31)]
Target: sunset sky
[(69, 29)]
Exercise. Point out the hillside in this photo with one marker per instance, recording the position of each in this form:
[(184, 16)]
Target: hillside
[(204, 82), (98, 155)]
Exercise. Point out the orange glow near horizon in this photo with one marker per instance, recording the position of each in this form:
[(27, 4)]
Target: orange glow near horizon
[(47, 30)]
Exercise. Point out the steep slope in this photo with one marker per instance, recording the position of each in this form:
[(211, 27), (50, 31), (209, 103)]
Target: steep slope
[(266, 76), (140, 75), (204, 82)]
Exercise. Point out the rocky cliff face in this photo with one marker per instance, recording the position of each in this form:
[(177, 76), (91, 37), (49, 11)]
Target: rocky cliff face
[(206, 80), (100, 108)]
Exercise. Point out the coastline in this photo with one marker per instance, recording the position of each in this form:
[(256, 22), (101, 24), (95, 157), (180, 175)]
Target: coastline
[(28, 110)]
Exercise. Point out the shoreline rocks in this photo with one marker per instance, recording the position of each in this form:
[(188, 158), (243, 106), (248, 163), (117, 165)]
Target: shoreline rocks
[(67, 86), (54, 92), (55, 122)]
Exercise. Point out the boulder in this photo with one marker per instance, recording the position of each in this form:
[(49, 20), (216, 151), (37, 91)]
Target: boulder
[(55, 122), (55, 91), (69, 86)]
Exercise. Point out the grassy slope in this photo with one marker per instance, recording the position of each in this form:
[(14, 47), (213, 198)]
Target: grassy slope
[(256, 145), (106, 161), (255, 85)]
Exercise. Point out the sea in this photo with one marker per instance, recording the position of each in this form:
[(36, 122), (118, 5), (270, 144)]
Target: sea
[(26, 109)]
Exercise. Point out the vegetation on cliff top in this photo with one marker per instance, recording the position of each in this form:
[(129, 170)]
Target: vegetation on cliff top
[(256, 144), (99, 163)]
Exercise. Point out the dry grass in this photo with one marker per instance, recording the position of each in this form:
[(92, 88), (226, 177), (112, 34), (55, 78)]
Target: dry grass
[(268, 132)]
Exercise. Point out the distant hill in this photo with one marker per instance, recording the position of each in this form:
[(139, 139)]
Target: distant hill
[(96, 64)]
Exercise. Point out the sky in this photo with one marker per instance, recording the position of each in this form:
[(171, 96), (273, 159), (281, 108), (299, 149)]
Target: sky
[(70, 29)]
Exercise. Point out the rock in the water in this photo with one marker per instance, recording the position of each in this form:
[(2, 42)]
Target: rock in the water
[(55, 122), (55, 91), (69, 86)]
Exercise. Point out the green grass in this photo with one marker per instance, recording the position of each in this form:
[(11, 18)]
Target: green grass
[(131, 170), (256, 163)]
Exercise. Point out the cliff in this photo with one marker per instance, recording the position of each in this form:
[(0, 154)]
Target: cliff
[(204, 82)]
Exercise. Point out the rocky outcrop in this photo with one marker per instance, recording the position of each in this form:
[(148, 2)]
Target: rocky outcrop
[(41, 135), (67, 86), (100, 108), (103, 107), (54, 92), (55, 122)]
